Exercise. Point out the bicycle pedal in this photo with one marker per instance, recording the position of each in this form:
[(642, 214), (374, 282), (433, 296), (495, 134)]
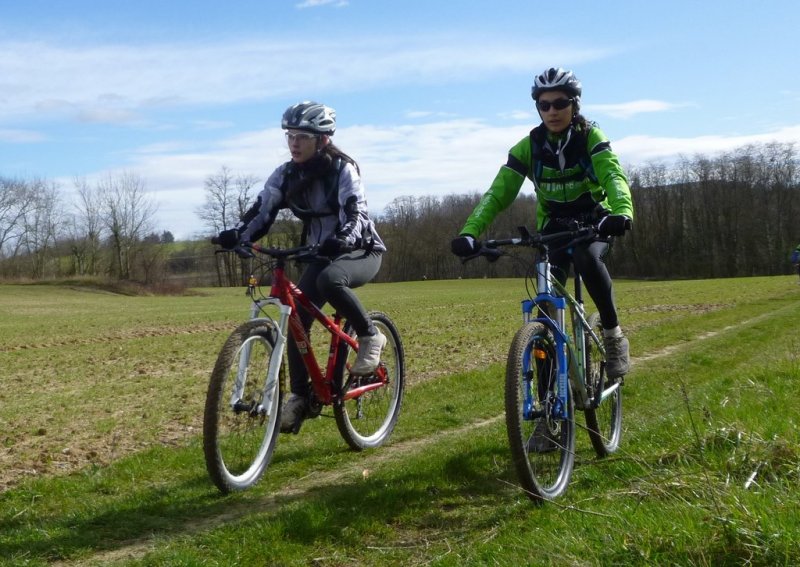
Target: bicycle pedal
[(357, 380)]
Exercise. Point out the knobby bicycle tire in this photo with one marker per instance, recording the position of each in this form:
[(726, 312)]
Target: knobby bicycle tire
[(604, 421), (543, 460), (240, 427), (367, 421)]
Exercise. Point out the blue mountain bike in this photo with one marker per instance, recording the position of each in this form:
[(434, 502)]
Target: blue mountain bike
[(556, 364)]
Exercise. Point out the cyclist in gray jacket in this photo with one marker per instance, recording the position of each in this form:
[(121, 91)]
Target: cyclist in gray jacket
[(322, 186)]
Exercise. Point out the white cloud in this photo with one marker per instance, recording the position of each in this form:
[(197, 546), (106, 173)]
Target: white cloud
[(641, 149), (21, 136), (520, 115), (442, 158), (626, 110), (107, 115), (124, 82), (316, 3)]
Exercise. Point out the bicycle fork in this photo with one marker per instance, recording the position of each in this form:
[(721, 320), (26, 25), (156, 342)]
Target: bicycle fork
[(559, 409), (273, 371)]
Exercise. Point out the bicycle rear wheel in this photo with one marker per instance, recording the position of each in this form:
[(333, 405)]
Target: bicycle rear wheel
[(242, 410), (542, 444), (603, 422), (366, 421)]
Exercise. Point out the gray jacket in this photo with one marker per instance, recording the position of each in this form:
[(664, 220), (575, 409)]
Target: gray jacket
[(327, 212)]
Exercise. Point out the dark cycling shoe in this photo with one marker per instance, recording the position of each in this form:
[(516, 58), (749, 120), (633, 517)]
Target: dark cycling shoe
[(294, 412), (617, 361), (542, 440)]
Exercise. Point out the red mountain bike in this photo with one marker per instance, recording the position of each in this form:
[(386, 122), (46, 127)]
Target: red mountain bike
[(244, 400)]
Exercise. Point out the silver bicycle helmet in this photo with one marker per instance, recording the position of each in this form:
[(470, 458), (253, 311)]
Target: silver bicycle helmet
[(557, 79), (311, 117)]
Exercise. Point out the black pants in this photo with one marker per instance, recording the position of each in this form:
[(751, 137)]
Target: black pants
[(333, 282), (589, 261)]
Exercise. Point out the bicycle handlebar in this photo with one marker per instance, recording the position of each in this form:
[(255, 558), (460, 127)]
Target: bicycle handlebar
[(246, 249), (297, 252), (491, 248)]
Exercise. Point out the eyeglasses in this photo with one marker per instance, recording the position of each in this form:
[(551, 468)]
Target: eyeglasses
[(300, 136), (558, 104)]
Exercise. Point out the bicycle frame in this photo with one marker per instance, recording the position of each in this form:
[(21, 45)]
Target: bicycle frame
[(286, 296), (570, 348)]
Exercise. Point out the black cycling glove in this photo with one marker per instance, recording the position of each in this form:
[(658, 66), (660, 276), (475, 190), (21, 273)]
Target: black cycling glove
[(228, 239), (464, 245), (614, 225), (333, 247)]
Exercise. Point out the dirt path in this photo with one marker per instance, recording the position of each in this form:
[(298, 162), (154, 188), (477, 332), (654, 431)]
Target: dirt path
[(298, 488)]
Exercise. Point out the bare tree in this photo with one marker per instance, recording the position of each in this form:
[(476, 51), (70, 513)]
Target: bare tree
[(85, 230), (227, 199), (219, 212), (42, 224), (15, 200), (127, 213), (245, 192)]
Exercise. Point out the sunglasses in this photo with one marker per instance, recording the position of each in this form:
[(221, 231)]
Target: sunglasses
[(300, 136), (558, 104)]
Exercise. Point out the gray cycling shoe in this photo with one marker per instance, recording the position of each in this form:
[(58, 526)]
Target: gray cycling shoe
[(293, 413), (617, 360), (369, 354), (542, 440)]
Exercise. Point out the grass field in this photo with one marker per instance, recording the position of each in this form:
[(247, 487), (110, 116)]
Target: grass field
[(101, 401)]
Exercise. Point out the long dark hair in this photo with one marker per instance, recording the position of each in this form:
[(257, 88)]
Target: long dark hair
[(581, 122), (333, 151)]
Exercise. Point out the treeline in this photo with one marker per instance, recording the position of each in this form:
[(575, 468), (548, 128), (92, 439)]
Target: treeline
[(732, 215), (106, 230), (729, 216)]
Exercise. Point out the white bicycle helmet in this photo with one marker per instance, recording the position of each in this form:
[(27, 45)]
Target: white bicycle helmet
[(557, 79), (311, 117)]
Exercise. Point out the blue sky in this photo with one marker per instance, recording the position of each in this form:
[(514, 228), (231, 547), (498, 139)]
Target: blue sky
[(430, 95)]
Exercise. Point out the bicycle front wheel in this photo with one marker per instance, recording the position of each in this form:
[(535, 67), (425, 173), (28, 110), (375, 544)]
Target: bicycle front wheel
[(603, 419), (541, 429), (243, 408), (367, 420)]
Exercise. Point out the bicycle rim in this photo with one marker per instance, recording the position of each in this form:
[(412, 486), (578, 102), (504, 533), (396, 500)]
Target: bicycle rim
[(543, 471), (240, 423), (367, 420), (603, 422)]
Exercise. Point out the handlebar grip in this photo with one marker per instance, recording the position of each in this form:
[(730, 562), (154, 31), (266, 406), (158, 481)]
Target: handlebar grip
[(215, 240)]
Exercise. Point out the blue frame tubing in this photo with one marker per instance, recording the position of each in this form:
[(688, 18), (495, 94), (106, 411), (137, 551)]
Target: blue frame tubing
[(561, 340)]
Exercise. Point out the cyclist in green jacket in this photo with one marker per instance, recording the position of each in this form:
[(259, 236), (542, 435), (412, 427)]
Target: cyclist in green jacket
[(577, 178)]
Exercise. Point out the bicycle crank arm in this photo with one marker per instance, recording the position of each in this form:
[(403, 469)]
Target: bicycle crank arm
[(361, 390), (610, 390)]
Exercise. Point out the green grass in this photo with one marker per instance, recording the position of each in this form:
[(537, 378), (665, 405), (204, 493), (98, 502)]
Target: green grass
[(102, 397)]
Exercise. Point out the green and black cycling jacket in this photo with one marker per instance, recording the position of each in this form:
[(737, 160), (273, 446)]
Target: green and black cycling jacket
[(573, 172)]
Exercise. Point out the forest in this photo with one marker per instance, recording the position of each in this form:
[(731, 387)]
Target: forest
[(729, 215)]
